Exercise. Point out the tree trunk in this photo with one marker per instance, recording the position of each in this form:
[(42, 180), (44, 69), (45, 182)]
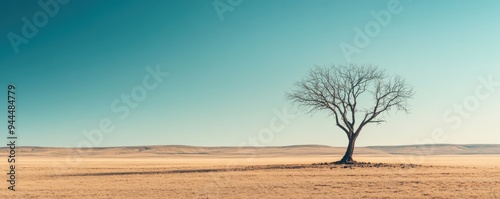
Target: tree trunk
[(347, 159)]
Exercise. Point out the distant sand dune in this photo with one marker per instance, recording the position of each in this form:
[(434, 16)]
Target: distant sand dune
[(298, 150)]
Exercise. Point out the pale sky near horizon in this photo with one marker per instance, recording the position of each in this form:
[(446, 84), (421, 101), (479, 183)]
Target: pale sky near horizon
[(228, 76)]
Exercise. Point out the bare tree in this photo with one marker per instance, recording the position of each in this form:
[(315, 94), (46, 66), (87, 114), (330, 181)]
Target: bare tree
[(340, 90)]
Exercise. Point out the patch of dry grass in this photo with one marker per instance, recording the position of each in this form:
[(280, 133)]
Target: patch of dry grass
[(466, 176)]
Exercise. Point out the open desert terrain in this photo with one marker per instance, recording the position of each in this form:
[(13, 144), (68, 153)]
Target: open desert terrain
[(437, 171)]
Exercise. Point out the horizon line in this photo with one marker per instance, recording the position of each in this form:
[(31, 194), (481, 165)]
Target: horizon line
[(281, 146)]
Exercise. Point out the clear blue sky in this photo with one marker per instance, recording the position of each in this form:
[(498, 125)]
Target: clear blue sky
[(226, 76)]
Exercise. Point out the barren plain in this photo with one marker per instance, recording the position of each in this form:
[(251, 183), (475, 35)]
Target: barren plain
[(433, 171)]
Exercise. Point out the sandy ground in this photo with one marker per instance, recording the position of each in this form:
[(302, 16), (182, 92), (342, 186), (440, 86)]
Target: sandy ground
[(266, 176)]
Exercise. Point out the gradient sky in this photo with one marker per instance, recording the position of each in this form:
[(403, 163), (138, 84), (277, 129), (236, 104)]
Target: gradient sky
[(227, 76)]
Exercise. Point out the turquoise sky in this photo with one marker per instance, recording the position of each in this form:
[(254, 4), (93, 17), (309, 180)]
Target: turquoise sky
[(227, 76)]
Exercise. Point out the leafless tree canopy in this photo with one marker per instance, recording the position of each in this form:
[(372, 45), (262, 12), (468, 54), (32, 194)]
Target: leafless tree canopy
[(338, 89)]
